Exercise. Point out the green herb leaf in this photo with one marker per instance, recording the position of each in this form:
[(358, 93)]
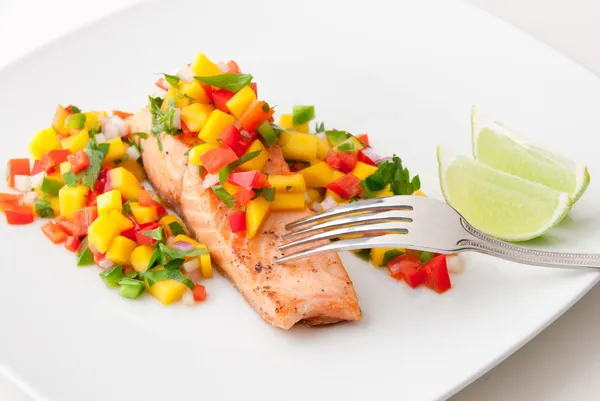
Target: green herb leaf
[(425, 257), (72, 180), (157, 234), (173, 80), (177, 254), (95, 130), (389, 255), (302, 114), (225, 171), (269, 132), (320, 127), (130, 288), (364, 254), (75, 121), (96, 154), (126, 210), (112, 276), (336, 137), (43, 208), (156, 256), (224, 196), (162, 121), (230, 82), (176, 228), (269, 194), (346, 147), (74, 109), (171, 271)]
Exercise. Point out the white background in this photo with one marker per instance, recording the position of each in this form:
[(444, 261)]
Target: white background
[(563, 362)]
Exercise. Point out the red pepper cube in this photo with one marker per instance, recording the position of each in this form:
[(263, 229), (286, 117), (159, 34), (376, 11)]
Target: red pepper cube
[(220, 97), (19, 215), (217, 158), (54, 232), (72, 244), (79, 161), (343, 161), (346, 186), (237, 221), (243, 196), (17, 167), (82, 218), (199, 293), (407, 267), (437, 275)]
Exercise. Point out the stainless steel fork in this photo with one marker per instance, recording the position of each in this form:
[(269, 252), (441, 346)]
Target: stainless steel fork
[(412, 222)]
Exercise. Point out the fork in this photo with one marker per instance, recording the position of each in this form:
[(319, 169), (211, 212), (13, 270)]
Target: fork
[(412, 222)]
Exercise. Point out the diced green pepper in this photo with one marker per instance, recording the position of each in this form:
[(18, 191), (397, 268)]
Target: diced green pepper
[(50, 186), (268, 132), (336, 137), (425, 257), (130, 288), (76, 121), (112, 276), (302, 114)]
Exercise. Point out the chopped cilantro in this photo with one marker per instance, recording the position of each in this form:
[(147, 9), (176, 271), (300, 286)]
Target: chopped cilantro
[(126, 210), (43, 208), (112, 276), (302, 114), (364, 254), (173, 80), (177, 254), (176, 228), (346, 147), (320, 127), (172, 270), (72, 180), (96, 154), (230, 82), (158, 233), (224, 196), (394, 174), (267, 193), (336, 137), (225, 171)]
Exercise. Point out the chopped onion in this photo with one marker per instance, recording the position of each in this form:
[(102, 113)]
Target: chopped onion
[(186, 74), (210, 180), (321, 136), (100, 138), (105, 264), (133, 153), (177, 118), (188, 298), (370, 153), (195, 276), (36, 180), (30, 197), (182, 246), (191, 265), (22, 183), (328, 203), (222, 66), (316, 206), (114, 127), (455, 264)]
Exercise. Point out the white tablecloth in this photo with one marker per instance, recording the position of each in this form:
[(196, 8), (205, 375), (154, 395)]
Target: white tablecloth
[(563, 362)]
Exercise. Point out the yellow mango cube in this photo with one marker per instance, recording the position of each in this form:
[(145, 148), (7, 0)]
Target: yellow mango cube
[(110, 200), (44, 141), (288, 182), (56, 176), (203, 67), (215, 125), (195, 91), (363, 170), (241, 101), (288, 201), (125, 182), (418, 192), (71, 199), (169, 219), (91, 118), (171, 94), (76, 142), (101, 233), (198, 151), (205, 261), (231, 188), (135, 168), (64, 168), (116, 150), (354, 144), (295, 146), (378, 254), (323, 149), (196, 115), (314, 195), (167, 291), (118, 219), (140, 257), (385, 192), (120, 249), (257, 211), (318, 175), (259, 161), (143, 214), (286, 122)]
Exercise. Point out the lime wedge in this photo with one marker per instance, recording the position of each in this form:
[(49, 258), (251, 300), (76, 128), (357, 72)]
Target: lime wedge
[(502, 148), (499, 204)]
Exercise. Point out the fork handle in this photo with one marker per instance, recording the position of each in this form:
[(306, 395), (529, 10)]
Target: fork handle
[(482, 243)]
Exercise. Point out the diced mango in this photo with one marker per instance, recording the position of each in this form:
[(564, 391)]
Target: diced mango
[(288, 201), (171, 94), (71, 199), (91, 118), (135, 168), (125, 182), (203, 67), (110, 200), (58, 123), (44, 141), (122, 222), (385, 192), (198, 151), (286, 122), (378, 254), (363, 170), (241, 101), (76, 142), (169, 219), (143, 214), (64, 167), (120, 249), (140, 257), (295, 146), (257, 211), (318, 175), (196, 115), (54, 204), (334, 196), (101, 233), (314, 195), (352, 143), (418, 192), (215, 125), (323, 148), (56, 176), (288, 182), (195, 91), (205, 261), (231, 188), (259, 161), (116, 150), (167, 291)]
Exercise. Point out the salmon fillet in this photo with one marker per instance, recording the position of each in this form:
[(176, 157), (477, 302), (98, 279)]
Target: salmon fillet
[(316, 290)]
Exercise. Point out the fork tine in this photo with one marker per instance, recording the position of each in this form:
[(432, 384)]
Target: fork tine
[(393, 202), (352, 220), (354, 230)]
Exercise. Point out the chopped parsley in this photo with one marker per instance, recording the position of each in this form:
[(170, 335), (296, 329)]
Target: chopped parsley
[(392, 174), (96, 154), (43, 208)]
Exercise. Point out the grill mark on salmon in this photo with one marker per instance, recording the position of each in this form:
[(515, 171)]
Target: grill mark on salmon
[(316, 290)]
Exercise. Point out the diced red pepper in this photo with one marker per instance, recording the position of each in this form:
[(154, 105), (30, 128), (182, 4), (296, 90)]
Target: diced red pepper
[(199, 293), (254, 87), (237, 221), (122, 114), (92, 199), (250, 179), (407, 267), (131, 232), (343, 161), (243, 196), (233, 67), (103, 183), (10, 201), (72, 244), (185, 129), (346, 186), (79, 161), (54, 232), (208, 90), (436, 271), (232, 137), (361, 157), (54, 158), (256, 114), (38, 167), (217, 158), (17, 167), (82, 218), (162, 84), (145, 199), (65, 223), (98, 256), (220, 97), (364, 138), (19, 215), (140, 236)]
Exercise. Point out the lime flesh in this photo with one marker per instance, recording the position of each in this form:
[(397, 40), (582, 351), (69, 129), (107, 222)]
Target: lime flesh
[(499, 204), (504, 149)]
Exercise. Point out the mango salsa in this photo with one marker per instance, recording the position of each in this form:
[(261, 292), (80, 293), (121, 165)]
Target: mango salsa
[(101, 233), (203, 67), (257, 211), (140, 257), (116, 150), (198, 151), (241, 101), (215, 125), (288, 183), (110, 200), (285, 122), (143, 214), (205, 261), (288, 201), (196, 115), (259, 161), (125, 182), (71, 199), (120, 249), (44, 141), (194, 91), (318, 175), (295, 146)]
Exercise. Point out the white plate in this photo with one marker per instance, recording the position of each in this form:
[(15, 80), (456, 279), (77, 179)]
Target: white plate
[(406, 75)]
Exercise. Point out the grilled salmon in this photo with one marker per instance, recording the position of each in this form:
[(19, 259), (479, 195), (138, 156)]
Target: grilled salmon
[(315, 290)]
